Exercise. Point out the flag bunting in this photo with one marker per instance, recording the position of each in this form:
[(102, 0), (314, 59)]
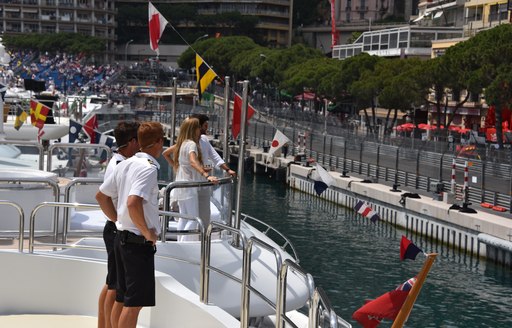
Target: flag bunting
[(237, 115), (279, 141), (157, 24), (205, 75), (21, 117), (38, 113), (365, 210), (408, 250), (322, 178)]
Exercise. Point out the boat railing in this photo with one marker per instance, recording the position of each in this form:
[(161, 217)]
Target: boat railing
[(21, 217), (271, 232), (33, 144), (225, 184), (53, 185), (71, 186), (83, 149), (56, 206), (319, 306)]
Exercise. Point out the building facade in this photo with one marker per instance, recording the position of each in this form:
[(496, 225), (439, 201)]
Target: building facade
[(88, 17), (275, 16)]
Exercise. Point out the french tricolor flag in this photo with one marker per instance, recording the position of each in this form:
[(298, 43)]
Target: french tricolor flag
[(365, 210)]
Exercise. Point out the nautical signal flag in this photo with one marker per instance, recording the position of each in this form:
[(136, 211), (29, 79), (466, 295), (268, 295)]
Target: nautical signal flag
[(38, 113), (103, 139), (156, 24), (408, 250), (3, 90), (74, 130), (322, 179), (90, 126), (205, 75), (279, 141), (385, 306), (21, 117), (365, 210), (237, 115)]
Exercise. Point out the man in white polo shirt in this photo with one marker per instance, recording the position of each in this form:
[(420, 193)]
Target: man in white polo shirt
[(134, 183)]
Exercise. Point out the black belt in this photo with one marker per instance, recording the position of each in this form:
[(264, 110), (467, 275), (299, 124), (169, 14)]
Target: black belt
[(127, 237)]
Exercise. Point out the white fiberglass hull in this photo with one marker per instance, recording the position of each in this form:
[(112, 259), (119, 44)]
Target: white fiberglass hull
[(27, 132), (39, 284)]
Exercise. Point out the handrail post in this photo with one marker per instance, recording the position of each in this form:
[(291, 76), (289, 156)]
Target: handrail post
[(225, 150), (241, 158)]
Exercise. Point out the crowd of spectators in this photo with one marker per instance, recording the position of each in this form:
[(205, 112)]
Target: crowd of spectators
[(64, 73)]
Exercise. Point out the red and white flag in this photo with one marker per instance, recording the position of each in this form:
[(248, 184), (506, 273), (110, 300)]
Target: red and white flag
[(279, 141), (157, 24), (237, 115)]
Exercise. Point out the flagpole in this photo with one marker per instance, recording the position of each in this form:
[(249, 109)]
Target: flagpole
[(225, 148), (402, 316)]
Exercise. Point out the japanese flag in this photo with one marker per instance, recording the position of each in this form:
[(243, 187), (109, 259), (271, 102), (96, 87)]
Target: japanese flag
[(279, 140), (157, 24)]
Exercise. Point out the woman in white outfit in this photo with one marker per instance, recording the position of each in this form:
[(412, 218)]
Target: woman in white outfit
[(185, 157)]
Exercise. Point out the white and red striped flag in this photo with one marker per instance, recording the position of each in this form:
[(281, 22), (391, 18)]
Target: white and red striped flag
[(157, 24)]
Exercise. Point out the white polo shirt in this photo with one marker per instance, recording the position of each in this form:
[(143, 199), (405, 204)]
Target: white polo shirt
[(136, 176), (112, 164)]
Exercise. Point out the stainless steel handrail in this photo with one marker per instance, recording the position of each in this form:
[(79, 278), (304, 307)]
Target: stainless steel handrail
[(21, 223), (185, 184), (54, 185), (67, 196), (287, 242), (81, 146), (55, 205), (246, 279), (28, 144)]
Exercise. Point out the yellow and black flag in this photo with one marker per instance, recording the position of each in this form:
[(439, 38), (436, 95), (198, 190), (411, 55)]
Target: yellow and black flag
[(21, 117), (205, 75)]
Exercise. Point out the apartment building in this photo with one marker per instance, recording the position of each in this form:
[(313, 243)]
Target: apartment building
[(87, 17), (275, 16)]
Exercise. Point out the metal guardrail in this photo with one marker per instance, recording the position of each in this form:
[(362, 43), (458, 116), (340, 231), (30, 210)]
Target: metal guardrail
[(21, 225), (36, 145), (53, 184)]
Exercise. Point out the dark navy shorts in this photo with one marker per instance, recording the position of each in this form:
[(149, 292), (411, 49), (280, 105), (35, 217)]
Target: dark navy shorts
[(135, 263), (109, 235)]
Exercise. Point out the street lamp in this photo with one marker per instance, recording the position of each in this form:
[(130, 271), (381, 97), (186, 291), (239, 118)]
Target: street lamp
[(201, 37), (126, 50)]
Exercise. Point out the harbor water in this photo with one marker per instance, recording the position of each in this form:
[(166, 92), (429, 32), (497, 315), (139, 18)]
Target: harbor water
[(354, 260)]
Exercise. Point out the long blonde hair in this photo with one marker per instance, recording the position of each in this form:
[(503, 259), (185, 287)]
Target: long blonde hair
[(188, 131)]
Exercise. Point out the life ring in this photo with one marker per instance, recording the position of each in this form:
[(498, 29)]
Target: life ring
[(486, 205), (499, 209)]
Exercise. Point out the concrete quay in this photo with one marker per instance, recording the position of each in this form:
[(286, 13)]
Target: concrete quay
[(485, 234)]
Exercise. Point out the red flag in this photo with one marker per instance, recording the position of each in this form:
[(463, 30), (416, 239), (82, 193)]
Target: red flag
[(90, 126), (237, 115), (408, 250), (157, 24), (385, 306)]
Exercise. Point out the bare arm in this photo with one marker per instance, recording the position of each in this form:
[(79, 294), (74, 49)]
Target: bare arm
[(107, 206), (167, 154), (194, 162), (136, 212)]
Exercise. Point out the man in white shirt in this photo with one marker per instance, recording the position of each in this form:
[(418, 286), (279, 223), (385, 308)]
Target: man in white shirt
[(109, 310), (134, 183)]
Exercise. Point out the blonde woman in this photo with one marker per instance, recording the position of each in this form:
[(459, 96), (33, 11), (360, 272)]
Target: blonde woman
[(186, 159)]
